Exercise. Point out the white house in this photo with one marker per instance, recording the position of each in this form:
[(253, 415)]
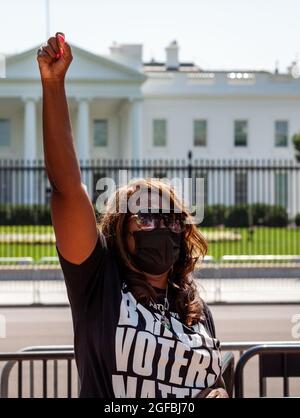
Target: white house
[(122, 107)]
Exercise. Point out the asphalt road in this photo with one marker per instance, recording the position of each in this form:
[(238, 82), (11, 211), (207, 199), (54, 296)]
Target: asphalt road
[(52, 326)]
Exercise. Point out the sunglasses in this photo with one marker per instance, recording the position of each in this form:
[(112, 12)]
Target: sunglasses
[(176, 222)]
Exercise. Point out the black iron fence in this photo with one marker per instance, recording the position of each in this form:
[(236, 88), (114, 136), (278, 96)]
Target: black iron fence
[(251, 207)]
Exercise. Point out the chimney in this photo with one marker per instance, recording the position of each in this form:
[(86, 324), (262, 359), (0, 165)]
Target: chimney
[(127, 54), (172, 52)]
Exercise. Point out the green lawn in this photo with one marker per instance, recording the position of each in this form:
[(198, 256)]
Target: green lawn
[(283, 241), (42, 229), (26, 250), (265, 241)]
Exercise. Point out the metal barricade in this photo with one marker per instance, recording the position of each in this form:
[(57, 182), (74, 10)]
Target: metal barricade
[(285, 363), (228, 372), (285, 366), (32, 355), (66, 353)]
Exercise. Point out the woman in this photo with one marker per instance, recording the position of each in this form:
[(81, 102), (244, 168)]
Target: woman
[(140, 329)]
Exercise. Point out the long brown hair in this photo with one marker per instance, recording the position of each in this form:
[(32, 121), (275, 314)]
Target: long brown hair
[(113, 225)]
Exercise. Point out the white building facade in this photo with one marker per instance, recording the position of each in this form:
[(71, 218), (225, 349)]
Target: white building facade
[(123, 108)]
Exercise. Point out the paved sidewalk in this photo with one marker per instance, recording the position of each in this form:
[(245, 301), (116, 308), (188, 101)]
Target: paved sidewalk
[(228, 290)]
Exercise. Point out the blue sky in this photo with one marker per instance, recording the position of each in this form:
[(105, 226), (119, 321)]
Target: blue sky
[(216, 34)]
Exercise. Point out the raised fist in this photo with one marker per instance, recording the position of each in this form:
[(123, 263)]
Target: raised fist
[(54, 58)]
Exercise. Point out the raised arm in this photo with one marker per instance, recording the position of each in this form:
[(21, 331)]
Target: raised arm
[(72, 212)]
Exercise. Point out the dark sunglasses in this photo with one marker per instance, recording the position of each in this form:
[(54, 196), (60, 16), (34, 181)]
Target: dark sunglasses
[(147, 221)]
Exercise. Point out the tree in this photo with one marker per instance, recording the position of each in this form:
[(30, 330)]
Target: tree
[(296, 142)]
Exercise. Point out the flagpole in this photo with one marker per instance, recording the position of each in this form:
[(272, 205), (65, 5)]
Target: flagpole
[(47, 19)]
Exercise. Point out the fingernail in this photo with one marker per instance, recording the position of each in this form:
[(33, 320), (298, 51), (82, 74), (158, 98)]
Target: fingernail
[(61, 38)]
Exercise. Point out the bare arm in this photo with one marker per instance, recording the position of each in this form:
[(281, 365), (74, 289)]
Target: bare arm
[(218, 390), (72, 212)]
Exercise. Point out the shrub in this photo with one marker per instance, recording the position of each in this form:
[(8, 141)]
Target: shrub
[(296, 143), (238, 216), (297, 219), (277, 216), (25, 215), (4, 215), (214, 215), (22, 215), (260, 212)]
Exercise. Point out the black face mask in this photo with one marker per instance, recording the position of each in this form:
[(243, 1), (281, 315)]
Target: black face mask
[(157, 250)]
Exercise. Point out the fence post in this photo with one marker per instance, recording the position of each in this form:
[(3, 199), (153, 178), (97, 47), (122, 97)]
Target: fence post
[(190, 164)]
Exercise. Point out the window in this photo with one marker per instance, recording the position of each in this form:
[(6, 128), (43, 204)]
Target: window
[(281, 133), (4, 132), (200, 132), (159, 132), (241, 188), (281, 189), (100, 132), (240, 133)]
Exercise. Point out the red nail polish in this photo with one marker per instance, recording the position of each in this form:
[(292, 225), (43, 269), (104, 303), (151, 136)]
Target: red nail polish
[(61, 38)]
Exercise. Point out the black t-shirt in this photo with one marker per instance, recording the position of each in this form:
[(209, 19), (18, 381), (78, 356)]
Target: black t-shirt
[(122, 349)]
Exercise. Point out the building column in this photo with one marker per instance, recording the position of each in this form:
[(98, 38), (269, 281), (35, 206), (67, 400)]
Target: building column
[(30, 145), (136, 128), (30, 178), (83, 141), (83, 131)]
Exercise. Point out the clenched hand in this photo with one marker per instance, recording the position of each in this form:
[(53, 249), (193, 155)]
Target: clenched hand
[(54, 58)]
